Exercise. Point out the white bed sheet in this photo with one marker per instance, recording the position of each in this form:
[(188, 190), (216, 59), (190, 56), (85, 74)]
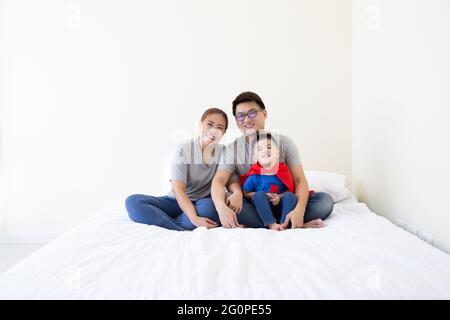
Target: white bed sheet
[(358, 255)]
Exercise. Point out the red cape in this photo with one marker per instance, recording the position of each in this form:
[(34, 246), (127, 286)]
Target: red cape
[(283, 173)]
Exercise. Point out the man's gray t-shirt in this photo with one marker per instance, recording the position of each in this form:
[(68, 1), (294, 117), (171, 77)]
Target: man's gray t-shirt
[(238, 155), (188, 166)]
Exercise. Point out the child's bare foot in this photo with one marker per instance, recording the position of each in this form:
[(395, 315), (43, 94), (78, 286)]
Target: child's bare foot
[(275, 226), (317, 223)]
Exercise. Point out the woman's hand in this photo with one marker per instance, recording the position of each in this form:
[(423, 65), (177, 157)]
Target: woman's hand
[(274, 198), (234, 201), (204, 222)]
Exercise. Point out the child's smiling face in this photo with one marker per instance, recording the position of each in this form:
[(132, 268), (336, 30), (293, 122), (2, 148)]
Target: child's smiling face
[(266, 153)]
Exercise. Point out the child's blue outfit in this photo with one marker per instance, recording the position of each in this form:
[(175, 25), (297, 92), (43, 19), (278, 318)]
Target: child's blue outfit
[(281, 183), (265, 183)]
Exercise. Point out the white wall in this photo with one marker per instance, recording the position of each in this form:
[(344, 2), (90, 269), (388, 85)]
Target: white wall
[(401, 101), (2, 95), (95, 92)]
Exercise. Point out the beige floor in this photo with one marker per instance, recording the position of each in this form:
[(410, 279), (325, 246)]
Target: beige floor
[(11, 254)]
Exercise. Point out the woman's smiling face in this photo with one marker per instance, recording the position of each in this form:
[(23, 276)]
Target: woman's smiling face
[(213, 128), (247, 124)]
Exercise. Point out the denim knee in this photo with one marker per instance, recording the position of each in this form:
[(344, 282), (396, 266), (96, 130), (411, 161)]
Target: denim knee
[(326, 205), (289, 196), (131, 203), (205, 208)]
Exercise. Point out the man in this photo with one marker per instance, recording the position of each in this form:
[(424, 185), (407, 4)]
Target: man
[(234, 211)]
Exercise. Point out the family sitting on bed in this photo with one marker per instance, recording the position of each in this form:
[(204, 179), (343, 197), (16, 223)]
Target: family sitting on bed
[(257, 181)]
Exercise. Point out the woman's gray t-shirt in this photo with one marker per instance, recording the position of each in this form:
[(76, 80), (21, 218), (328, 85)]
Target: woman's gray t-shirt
[(188, 166)]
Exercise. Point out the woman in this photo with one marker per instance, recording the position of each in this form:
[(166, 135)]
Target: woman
[(189, 204)]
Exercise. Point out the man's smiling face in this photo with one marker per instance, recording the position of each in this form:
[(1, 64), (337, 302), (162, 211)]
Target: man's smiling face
[(250, 117)]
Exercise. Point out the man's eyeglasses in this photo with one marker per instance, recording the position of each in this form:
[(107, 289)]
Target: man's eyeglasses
[(240, 116)]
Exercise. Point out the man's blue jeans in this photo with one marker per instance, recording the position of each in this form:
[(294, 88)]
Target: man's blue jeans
[(165, 212), (320, 205)]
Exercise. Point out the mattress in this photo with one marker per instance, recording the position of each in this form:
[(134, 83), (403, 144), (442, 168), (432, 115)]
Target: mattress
[(358, 255)]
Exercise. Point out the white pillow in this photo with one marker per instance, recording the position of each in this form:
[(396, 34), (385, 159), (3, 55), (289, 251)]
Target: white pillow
[(329, 182)]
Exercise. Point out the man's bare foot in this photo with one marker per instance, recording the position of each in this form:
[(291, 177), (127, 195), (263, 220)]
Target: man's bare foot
[(275, 226), (317, 223)]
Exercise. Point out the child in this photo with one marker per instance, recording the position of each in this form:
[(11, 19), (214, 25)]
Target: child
[(269, 183)]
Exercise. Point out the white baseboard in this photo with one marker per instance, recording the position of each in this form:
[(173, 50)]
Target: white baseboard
[(26, 238)]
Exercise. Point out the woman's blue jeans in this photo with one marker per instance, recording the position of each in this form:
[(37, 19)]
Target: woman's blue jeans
[(165, 212)]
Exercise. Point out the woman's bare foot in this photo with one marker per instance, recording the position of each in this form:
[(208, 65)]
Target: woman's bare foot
[(275, 226), (317, 223)]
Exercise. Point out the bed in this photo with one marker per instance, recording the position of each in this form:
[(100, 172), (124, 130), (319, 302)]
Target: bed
[(358, 255)]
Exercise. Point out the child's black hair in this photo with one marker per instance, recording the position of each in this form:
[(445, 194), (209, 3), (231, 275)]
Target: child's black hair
[(261, 135)]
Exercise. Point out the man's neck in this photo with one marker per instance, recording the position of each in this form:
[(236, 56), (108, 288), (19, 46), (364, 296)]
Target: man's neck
[(249, 138)]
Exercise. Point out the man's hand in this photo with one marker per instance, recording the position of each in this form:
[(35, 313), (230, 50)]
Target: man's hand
[(228, 217), (295, 218), (234, 201), (204, 222), (274, 198)]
